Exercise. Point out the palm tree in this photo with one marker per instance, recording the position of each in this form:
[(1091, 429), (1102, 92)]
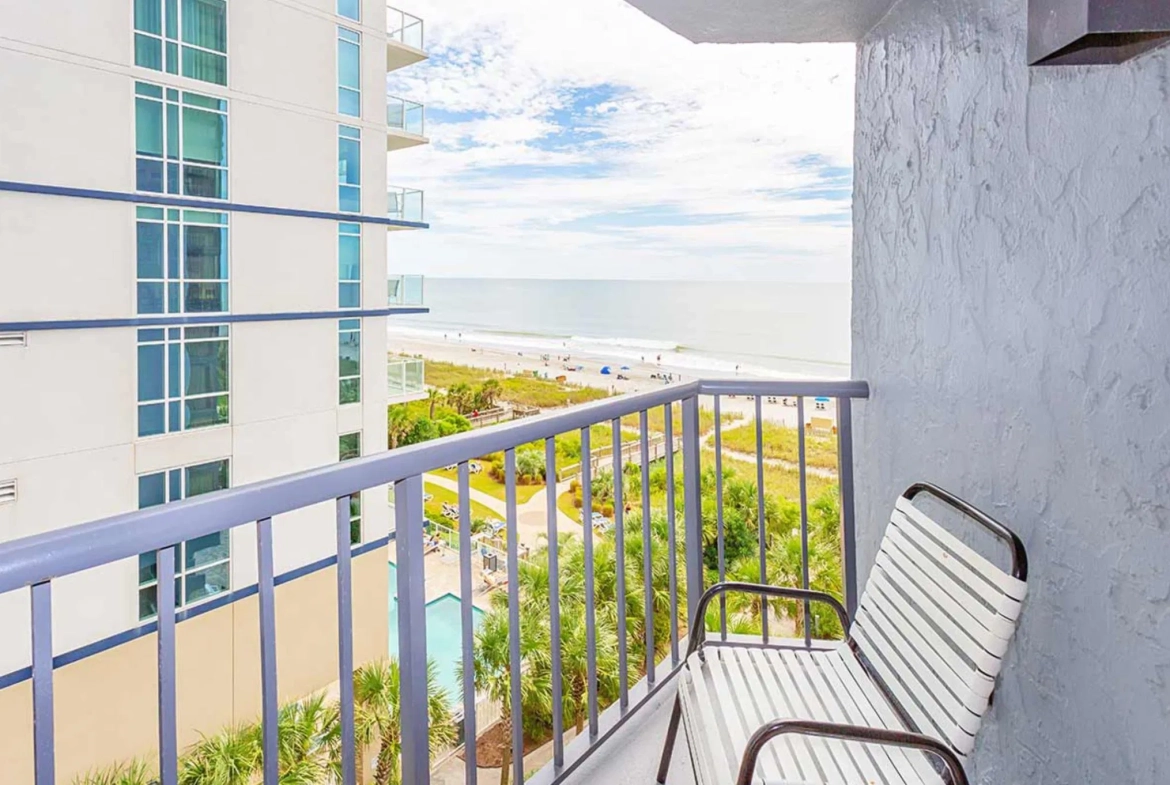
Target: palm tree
[(398, 424), (230, 757), (489, 392), (301, 741), (133, 772), (491, 663), (434, 396), (377, 719)]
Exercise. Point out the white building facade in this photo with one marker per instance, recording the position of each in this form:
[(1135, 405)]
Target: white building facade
[(193, 295)]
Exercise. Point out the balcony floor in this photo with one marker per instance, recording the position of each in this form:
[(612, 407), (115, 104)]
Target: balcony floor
[(630, 757)]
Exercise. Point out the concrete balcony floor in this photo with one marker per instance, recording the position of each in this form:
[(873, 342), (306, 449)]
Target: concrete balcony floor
[(630, 756)]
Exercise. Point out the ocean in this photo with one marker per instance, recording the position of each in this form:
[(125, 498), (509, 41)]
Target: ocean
[(764, 328)]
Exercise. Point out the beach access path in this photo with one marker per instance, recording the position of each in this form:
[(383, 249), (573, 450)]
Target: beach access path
[(531, 517)]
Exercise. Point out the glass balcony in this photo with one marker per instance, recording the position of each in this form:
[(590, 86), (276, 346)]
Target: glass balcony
[(405, 290), (405, 379), (404, 39), (405, 123), (404, 204)]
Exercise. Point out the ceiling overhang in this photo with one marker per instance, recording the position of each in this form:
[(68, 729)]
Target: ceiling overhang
[(767, 21)]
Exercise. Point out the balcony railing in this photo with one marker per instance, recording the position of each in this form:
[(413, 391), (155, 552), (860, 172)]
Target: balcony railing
[(404, 28), (404, 115), (405, 204), (405, 378), (694, 537), (405, 290)]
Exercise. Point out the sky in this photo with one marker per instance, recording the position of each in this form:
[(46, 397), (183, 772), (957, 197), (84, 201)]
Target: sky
[(582, 139)]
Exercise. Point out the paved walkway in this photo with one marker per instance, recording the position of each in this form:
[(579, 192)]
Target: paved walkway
[(531, 516)]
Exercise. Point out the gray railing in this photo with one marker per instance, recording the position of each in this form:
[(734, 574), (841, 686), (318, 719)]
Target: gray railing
[(37, 561)]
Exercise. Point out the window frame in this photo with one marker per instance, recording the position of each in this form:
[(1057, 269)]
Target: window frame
[(349, 327), (349, 133), (174, 341), (355, 499), (165, 42), (358, 18), (182, 572), (354, 38), (181, 218), (348, 229), (181, 101)]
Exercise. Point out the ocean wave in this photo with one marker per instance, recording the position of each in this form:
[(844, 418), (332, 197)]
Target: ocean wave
[(668, 355)]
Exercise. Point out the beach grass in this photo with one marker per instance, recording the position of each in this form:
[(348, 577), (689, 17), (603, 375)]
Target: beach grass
[(779, 480), (656, 419), (516, 389), (780, 442), (433, 509)]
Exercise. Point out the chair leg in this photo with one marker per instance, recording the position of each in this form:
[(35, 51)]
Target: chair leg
[(671, 734)]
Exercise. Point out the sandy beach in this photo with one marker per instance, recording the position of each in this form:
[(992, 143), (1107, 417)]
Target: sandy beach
[(642, 375)]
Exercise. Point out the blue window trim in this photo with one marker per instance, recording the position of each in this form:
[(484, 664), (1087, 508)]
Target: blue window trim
[(220, 600), (200, 204), (181, 319)]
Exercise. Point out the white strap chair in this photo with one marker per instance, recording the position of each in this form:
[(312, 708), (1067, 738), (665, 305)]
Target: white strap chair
[(914, 675)]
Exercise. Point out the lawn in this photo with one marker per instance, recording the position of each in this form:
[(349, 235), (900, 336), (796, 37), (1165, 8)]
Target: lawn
[(433, 509), (781, 442), (483, 482), (565, 505)]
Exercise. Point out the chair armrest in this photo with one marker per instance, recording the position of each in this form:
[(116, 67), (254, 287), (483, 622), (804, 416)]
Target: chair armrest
[(1019, 554), (698, 631), (883, 736)]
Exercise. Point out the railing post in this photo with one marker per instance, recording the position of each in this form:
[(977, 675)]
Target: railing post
[(692, 506), (848, 521), (412, 633)]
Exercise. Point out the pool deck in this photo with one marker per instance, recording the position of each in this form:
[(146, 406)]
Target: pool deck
[(441, 576)]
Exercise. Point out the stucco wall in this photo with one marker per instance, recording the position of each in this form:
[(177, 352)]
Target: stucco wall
[(1011, 310)]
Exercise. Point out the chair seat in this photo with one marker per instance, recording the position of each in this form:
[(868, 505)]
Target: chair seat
[(727, 692)]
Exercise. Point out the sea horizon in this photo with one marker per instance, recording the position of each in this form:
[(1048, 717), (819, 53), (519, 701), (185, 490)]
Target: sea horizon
[(756, 328)]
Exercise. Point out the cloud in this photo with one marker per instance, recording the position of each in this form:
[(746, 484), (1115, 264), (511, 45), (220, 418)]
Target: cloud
[(581, 139)]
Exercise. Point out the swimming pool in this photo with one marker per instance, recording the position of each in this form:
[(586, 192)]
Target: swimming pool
[(444, 636)]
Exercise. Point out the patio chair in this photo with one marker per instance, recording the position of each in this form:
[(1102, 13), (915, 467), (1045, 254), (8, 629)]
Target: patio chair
[(900, 700)]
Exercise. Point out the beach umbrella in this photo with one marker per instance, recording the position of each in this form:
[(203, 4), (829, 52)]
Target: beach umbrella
[(605, 369), (625, 367)]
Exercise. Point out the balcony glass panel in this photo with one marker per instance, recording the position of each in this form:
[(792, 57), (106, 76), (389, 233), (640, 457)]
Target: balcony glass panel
[(404, 115), (405, 204), (404, 28), (405, 290)]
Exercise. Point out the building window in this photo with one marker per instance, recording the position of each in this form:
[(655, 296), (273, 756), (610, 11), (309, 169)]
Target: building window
[(182, 378), (181, 142), (349, 72), (202, 565), (349, 265), (349, 169), (182, 261), (187, 37), (350, 9), (349, 446), (350, 359)]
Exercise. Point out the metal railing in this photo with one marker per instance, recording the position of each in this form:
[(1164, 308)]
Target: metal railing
[(405, 377), (38, 561), (404, 28), (404, 204), (405, 289), (405, 115)]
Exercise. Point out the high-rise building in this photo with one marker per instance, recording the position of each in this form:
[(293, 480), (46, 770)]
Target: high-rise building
[(193, 295)]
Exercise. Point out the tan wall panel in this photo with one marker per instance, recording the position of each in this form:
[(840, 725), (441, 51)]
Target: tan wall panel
[(16, 733), (107, 704)]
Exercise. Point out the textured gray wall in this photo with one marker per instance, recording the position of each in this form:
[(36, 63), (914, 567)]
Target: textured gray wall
[(1011, 309)]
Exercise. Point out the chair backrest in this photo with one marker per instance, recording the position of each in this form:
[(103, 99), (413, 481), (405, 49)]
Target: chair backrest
[(934, 624)]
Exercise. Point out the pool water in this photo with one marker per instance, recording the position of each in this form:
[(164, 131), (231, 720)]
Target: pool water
[(444, 636)]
